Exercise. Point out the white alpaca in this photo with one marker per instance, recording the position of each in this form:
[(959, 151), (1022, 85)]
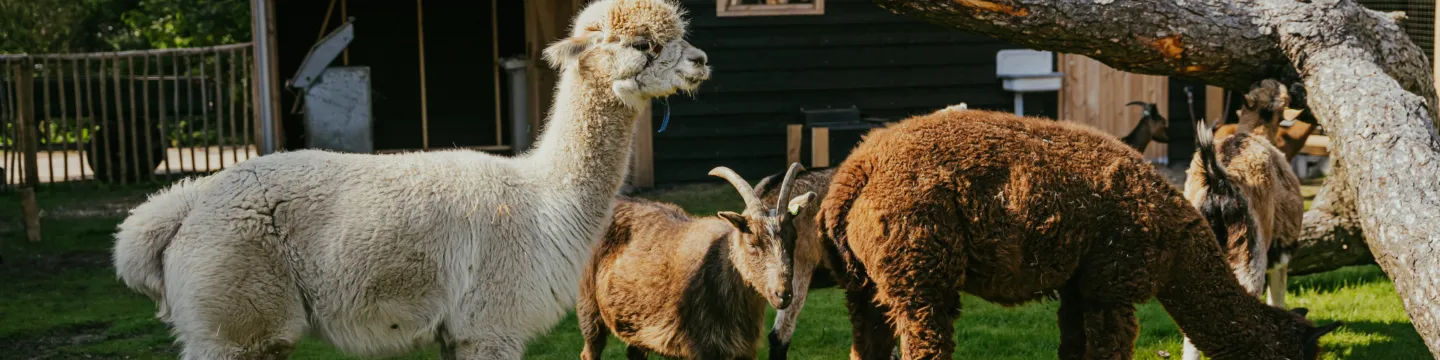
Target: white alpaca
[(380, 254)]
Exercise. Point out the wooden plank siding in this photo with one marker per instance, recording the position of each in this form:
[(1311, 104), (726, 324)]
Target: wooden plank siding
[(1095, 94), (768, 68)]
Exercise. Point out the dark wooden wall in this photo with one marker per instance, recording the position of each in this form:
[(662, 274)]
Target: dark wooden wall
[(458, 58), (766, 69)]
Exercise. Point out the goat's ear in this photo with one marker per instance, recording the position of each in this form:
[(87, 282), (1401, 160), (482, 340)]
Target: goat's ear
[(567, 50), (1249, 101), (799, 203), (1291, 114), (737, 220), (1301, 311)]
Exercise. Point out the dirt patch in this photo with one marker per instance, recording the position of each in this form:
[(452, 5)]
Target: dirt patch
[(47, 345), (38, 266), (117, 207)]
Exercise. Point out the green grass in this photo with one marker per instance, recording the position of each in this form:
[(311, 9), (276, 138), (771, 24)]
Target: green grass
[(60, 300)]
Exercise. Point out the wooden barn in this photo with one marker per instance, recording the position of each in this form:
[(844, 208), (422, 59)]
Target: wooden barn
[(785, 75)]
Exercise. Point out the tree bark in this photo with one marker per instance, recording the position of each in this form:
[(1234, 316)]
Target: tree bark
[(1370, 86), (1331, 237)]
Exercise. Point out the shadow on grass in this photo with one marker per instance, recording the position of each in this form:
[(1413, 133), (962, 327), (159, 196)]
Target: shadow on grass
[(1373, 340), (1335, 280)]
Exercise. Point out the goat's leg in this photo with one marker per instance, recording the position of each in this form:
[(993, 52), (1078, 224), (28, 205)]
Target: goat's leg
[(1110, 330), (592, 327), (1279, 278), (633, 352), (1072, 324), (785, 320), (873, 338)]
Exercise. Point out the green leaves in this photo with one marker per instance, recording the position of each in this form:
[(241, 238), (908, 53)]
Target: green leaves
[(57, 26)]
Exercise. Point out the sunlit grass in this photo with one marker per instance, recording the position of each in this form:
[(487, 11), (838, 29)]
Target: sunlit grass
[(74, 307)]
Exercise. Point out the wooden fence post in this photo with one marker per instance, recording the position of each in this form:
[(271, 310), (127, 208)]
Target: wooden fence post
[(25, 131)]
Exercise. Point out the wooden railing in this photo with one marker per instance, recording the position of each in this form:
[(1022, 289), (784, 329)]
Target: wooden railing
[(125, 117)]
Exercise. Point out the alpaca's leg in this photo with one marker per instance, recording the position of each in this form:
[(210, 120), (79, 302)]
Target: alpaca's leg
[(785, 319), (925, 317), (274, 350), (633, 352), (873, 338), (1110, 331), (230, 299), (1072, 324), (494, 346)]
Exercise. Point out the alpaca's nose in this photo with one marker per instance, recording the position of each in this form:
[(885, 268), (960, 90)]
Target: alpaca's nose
[(698, 58)]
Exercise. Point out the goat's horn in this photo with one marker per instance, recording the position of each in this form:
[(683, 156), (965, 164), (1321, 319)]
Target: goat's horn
[(1141, 103), (784, 197), (746, 193)]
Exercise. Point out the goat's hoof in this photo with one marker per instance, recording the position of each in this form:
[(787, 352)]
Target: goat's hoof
[(778, 349)]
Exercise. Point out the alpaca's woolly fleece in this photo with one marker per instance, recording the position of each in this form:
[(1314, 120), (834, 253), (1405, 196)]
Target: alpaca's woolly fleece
[(381, 254), (1013, 209)]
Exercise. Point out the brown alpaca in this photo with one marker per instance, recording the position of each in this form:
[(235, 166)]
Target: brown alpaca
[(685, 287), (1014, 209)]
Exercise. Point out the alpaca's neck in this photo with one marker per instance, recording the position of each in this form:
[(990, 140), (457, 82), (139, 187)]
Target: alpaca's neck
[(1203, 297), (586, 142), (1140, 136)]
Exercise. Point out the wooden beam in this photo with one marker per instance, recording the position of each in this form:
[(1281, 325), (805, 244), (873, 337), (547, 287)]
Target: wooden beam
[(492, 148), (1214, 103), (794, 138), (26, 139), (495, 63), (277, 129), (642, 156), (345, 14), (819, 147), (424, 108)]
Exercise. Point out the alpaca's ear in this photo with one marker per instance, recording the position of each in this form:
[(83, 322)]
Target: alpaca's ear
[(1315, 334), (737, 220), (565, 51)]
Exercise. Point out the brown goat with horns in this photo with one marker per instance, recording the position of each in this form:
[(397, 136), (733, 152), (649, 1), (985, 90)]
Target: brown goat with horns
[(1013, 209), (678, 286)]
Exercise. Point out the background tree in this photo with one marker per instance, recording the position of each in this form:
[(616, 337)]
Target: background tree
[(60, 26), (1367, 83)]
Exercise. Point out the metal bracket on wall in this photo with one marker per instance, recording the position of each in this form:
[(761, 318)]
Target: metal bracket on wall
[(322, 54)]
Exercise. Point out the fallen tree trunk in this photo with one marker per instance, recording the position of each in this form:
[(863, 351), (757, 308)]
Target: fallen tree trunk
[(1331, 237), (1369, 85)]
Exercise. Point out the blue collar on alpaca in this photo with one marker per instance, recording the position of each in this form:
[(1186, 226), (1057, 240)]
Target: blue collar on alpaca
[(665, 121)]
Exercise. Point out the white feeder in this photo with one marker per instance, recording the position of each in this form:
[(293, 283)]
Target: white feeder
[(1024, 70)]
